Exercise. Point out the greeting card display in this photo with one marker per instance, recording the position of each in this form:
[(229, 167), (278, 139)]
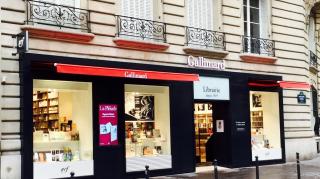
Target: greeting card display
[(108, 124)]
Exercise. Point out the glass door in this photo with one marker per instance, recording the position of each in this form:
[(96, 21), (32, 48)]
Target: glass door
[(203, 129)]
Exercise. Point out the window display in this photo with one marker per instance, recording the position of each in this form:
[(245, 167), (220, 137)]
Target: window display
[(147, 127), (62, 129), (265, 125)]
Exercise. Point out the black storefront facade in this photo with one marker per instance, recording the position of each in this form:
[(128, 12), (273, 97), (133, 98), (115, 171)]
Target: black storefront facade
[(233, 146)]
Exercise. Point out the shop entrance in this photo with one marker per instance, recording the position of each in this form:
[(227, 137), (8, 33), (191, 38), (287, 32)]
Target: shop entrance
[(203, 121), (211, 129)]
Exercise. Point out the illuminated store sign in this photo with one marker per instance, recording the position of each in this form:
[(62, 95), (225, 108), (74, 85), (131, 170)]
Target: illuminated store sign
[(211, 88), (201, 62)]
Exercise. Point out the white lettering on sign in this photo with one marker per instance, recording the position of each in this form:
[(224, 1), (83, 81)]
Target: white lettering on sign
[(135, 75), (21, 42), (108, 108), (202, 62), (211, 88)]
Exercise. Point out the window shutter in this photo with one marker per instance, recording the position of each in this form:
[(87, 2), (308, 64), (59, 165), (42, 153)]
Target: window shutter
[(311, 34), (142, 9), (200, 14), (264, 19), (147, 6), (71, 3)]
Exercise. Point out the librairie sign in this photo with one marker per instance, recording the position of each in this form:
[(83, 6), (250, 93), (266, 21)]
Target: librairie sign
[(201, 62), (211, 88)]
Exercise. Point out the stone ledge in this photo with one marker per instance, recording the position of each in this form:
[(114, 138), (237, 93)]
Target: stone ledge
[(55, 34), (210, 53), (256, 58), (140, 44), (10, 145)]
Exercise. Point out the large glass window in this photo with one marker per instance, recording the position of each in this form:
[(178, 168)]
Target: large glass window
[(62, 129), (147, 124), (265, 125)]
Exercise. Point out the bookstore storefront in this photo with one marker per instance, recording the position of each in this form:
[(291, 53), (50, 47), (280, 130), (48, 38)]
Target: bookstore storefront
[(238, 117), (106, 119)]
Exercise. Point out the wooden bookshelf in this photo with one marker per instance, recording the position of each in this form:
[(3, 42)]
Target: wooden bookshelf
[(257, 119), (203, 130), (46, 110)]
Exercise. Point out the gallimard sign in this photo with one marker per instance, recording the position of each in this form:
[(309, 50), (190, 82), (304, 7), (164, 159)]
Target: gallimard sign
[(201, 62), (211, 88), (128, 74)]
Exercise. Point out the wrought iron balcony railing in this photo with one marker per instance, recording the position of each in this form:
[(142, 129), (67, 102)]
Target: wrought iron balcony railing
[(205, 38), (258, 46), (140, 29), (45, 13), (313, 60)]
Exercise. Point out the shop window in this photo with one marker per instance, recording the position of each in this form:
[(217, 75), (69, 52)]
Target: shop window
[(147, 124), (265, 125), (62, 129)]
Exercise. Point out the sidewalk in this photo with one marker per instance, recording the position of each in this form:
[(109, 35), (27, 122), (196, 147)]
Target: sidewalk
[(310, 169)]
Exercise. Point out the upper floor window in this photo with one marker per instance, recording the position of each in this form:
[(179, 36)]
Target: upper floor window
[(256, 18), (204, 23), (313, 59), (58, 13), (257, 27), (311, 33), (142, 9), (200, 14), (139, 19)]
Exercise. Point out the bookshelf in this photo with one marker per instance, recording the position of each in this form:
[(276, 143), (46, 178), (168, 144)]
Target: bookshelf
[(257, 119), (46, 111), (203, 129)]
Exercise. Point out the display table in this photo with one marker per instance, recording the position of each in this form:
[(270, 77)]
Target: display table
[(267, 154)]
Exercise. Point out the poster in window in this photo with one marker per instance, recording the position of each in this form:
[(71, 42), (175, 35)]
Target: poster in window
[(142, 110), (220, 126), (256, 100), (108, 124)]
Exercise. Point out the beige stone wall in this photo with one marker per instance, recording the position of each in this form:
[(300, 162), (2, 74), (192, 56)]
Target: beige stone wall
[(288, 28)]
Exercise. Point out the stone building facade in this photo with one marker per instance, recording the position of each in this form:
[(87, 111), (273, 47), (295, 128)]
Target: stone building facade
[(287, 38)]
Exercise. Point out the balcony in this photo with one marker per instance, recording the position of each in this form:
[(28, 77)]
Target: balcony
[(258, 50), (313, 62), (45, 20), (205, 42), (50, 14), (140, 33)]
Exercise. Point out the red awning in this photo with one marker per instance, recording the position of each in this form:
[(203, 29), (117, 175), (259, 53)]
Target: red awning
[(294, 84), (282, 84), (124, 73)]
